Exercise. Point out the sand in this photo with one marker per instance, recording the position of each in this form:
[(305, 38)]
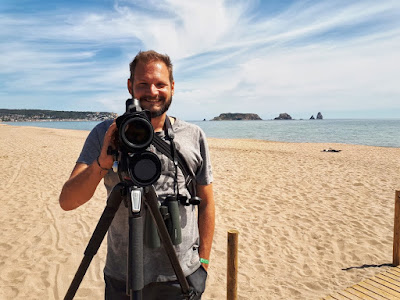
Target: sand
[(310, 222)]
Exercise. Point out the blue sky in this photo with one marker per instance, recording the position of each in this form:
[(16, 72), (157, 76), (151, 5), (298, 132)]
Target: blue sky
[(266, 57)]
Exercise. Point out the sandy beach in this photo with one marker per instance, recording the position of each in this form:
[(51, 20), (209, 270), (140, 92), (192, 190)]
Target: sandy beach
[(310, 222)]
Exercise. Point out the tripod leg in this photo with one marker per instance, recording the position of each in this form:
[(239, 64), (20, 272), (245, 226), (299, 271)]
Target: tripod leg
[(152, 203), (113, 202), (80, 273), (135, 247)]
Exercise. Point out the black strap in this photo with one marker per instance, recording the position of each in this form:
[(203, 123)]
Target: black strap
[(175, 155)]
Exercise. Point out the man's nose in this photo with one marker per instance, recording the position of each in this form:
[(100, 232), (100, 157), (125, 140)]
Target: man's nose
[(153, 90)]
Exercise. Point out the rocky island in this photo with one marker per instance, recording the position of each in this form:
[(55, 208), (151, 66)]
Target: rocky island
[(319, 116), (283, 116), (236, 117)]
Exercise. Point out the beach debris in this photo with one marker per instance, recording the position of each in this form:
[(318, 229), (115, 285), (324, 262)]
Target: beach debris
[(330, 150)]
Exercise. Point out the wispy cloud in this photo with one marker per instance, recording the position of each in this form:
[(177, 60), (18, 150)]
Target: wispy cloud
[(331, 56)]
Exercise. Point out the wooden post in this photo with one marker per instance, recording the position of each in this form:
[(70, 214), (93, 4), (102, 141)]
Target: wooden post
[(396, 238), (232, 269)]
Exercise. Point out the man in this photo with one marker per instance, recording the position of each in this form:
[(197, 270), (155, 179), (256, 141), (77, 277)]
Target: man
[(152, 83)]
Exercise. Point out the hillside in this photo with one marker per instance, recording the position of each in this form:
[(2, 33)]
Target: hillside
[(21, 115)]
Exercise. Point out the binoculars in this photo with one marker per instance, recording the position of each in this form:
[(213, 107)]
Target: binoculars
[(170, 212)]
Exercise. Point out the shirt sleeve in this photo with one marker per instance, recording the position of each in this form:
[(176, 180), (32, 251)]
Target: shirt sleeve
[(93, 144)]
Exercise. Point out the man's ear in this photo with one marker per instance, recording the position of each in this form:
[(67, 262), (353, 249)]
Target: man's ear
[(129, 85), (172, 88)]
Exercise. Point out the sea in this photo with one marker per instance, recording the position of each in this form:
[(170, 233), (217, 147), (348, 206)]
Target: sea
[(371, 132)]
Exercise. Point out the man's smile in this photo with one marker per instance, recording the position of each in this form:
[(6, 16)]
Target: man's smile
[(152, 100)]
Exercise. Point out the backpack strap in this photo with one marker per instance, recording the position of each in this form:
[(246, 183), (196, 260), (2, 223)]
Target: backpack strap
[(173, 154)]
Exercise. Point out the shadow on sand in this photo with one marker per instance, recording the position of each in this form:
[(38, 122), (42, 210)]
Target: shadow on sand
[(368, 266)]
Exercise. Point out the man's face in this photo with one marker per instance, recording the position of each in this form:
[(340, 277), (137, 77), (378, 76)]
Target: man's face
[(151, 86)]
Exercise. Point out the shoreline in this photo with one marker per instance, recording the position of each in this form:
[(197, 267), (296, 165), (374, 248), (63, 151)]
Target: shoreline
[(327, 144)]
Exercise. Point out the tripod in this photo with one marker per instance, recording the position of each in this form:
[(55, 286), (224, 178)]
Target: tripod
[(132, 196)]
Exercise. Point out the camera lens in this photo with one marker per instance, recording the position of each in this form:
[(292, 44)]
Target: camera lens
[(137, 133), (144, 168)]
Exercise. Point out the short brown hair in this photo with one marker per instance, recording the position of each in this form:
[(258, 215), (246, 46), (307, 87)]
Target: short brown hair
[(149, 56)]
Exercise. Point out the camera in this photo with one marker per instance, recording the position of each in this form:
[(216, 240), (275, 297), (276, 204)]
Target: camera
[(135, 135)]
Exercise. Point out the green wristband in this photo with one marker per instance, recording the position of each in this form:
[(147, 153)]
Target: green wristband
[(204, 261)]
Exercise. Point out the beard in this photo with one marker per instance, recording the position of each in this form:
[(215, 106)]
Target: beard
[(156, 112)]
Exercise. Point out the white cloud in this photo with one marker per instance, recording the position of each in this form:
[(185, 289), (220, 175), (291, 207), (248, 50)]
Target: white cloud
[(335, 55)]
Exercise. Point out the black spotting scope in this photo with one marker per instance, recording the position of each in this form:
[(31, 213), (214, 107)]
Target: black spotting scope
[(135, 134)]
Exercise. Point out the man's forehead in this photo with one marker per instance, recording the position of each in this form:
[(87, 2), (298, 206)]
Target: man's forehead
[(143, 68), (158, 64), (153, 70)]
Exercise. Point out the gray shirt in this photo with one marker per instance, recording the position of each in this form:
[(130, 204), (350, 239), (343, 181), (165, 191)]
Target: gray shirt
[(191, 142)]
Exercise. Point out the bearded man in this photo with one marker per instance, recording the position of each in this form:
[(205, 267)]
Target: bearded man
[(151, 82)]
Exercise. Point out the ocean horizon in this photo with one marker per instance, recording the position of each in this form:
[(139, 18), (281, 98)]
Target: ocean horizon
[(370, 132)]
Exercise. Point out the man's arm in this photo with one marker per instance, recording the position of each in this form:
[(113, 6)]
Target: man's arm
[(84, 178), (206, 220)]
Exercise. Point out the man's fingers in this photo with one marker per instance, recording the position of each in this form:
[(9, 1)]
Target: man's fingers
[(109, 138)]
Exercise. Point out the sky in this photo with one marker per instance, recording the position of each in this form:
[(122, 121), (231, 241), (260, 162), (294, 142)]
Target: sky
[(337, 57)]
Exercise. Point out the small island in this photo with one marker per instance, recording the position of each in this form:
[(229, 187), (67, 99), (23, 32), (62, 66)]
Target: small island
[(283, 116), (286, 116), (236, 117), (319, 116)]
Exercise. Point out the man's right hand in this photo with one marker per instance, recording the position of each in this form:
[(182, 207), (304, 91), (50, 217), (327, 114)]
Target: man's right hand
[(106, 160), (84, 178)]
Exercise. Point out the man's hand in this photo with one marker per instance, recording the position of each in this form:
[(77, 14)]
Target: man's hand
[(84, 178), (106, 161), (206, 220)]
